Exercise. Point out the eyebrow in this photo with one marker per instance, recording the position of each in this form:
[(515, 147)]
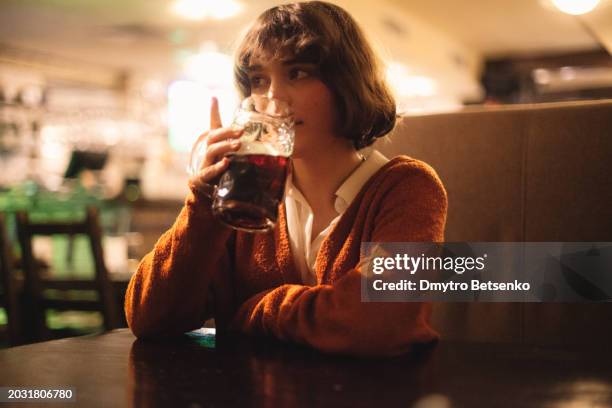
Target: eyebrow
[(292, 61), (295, 61)]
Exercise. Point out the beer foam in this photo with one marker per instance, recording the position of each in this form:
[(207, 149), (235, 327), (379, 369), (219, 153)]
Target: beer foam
[(249, 147)]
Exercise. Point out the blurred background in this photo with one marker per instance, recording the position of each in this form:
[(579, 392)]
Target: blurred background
[(132, 79), (101, 100)]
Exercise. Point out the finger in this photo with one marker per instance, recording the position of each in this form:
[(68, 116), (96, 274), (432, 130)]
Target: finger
[(221, 134), (220, 149), (215, 117), (211, 172)]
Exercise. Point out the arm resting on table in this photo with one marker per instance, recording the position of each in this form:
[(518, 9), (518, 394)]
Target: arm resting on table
[(332, 318), (170, 292)]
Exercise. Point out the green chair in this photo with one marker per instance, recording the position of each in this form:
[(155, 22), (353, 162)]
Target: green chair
[(9, 289), (37, 283)]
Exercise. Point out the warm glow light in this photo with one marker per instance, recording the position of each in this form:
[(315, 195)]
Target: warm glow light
[(580, 393), (567, 73), (201, 9), (408, 85), (541, 76), (53, 155), (205, 74), (575, 7), (188, 103), (210, 68), (189, 111)]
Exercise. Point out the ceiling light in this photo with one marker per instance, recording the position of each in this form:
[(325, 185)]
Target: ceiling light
[(575, 7), (202, 9)]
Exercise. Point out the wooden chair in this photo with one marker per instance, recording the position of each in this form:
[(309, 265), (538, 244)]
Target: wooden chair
[(36, 283), (9, 287)]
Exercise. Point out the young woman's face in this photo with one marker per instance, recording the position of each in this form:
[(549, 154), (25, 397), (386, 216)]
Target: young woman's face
[(310, 101)]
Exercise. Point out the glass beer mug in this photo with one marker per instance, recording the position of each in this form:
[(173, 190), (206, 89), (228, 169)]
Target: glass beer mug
[(249, 191)]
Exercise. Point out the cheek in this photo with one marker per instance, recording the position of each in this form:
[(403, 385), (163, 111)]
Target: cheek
[(318, 104)]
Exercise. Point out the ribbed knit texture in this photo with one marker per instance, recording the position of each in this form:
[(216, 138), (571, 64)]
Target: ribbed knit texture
[(248, 282)]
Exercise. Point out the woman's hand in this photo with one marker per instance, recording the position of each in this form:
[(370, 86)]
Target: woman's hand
[(219, 142)]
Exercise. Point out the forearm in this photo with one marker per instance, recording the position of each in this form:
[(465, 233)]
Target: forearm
[(170, 291), (332, 318)]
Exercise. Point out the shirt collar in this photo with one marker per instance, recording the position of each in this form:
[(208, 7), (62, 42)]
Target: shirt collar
[(350, 187), (355, 181)]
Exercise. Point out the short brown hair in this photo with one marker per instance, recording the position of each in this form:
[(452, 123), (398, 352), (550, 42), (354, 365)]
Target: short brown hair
[(325, 34)]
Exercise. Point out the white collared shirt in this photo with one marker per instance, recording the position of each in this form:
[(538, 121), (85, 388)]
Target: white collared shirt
[(300, 216)]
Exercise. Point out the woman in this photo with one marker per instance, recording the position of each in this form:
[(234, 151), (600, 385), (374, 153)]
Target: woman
[(301, 281)]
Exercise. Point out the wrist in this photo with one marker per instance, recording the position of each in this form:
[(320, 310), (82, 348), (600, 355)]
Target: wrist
[(202, 190), (200, 195)]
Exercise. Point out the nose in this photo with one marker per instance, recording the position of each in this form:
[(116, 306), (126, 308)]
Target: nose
[(279, 90)]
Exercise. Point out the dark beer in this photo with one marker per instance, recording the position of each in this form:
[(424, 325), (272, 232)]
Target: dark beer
[(250, 190)]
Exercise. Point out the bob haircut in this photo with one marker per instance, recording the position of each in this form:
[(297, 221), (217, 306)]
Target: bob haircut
[(327, 36)]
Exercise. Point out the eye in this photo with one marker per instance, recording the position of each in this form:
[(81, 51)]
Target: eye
[(256, 81), (298, 73)]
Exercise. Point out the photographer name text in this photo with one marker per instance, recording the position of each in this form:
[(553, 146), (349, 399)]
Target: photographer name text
[(426, 285)]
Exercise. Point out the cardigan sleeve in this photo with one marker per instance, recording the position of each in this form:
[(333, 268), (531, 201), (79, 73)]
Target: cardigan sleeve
[(171, 292), (332, 318)]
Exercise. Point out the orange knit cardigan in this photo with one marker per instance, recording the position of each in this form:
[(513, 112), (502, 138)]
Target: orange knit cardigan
[(248, 282)]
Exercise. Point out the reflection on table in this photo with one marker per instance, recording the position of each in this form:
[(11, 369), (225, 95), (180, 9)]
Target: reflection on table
[(115, 369)]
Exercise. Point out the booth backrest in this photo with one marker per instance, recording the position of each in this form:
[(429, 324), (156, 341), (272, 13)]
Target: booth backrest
[(520, 173)]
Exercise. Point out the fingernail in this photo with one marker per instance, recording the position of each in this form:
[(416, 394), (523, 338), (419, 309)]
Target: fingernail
[(235, 143)]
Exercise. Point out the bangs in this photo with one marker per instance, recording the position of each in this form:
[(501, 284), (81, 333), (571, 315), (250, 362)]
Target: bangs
[(281, 34)]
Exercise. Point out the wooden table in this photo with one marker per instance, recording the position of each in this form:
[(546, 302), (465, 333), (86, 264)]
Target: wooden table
[(115, 370)]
